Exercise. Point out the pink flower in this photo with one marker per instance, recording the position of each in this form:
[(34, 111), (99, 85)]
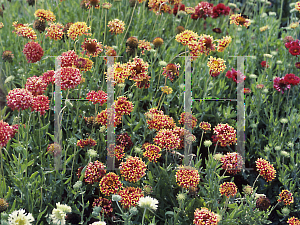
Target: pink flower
[(36, 85), (40, 104), (280, 84), (33, 52), (19, 99), (67, 77)]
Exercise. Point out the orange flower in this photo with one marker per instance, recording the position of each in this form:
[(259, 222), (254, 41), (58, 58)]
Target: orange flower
[(152, 152), (266, 170), (286, 197), (55, 31), (187, 177), (228, 189), (78, 29), (133, 169), (110, 184), (186, 36), (239, 20)]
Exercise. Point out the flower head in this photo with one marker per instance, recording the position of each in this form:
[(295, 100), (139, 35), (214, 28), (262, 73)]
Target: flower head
[(6, 133), (216, 65), (97, 97), (219, 10), (148, 203), (266, 170), (54, 149), (36, 85), (167, 139), (77, 29), (101, 118), (55, 31), (68, 59), (94, 172), (24, 31), (152, 152), (286, 197), (228, 189), (203, 10), (291, 79), (106, 5), (188, 120), (105, 204), (157, 42), (125, 141), (91, 47), (186, 36), (166, 89), (224, 135), (110, 184), (233, 74), (90, 142), (40, 103), (123, 106), (19, 99), (3, 205), (7, 56), (133, 169), (19, 217), (138, 69), (280, 84), (44, 15), (159, 121), (293, 220), (205, 126), (130, 196), (232, 162), (116, 26), (239, 20), (223, 43), (33, 52), (205, 217), (263, 203), (187, 177), (67, 77), (171, 71)]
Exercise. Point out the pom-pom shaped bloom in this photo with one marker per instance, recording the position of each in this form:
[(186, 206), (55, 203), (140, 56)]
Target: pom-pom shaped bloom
[(110, 184), (280, 84), (125, 141), (159, 6), (36, 85), (24, 31), (264, 64), (157, 42), (33, 52), (130, 196), (40, 103), (152, 112), (291, 79), (83, 64), (97, 97), (94, 172), (228, 189), (90, 142), (48, 77), (159, 121), (116, 151), (205, 217), (123, 106), (101, 118), (133, 169), (205, 126), (118, 73), (152, 152), (116, 26), (239, 20), (55, 31), (219, 10), (265, 169), (184, 135), (19, 217), (67, 77), (45, 15), (207, 44), (224, 135), (216, 64), (77, 29), (6, 132), (171, 71), (188, 120), (187, 177), (286, 197), (54, 149), (91, 47), (233, 74), (138, 69), (186, 36), (68, 58), (167, 139), (148, 203), (105, 204), (232, 162), (293, 220), (223, 43), (19, 99), (203, 10), (144, 46), (263, 203)]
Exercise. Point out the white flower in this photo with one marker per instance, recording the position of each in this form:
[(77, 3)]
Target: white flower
[(285, 154), (263, 15), (272, 13), (277, 148), (92, 153), (279, 62), (19, 217), (284, 120), (274, 52), (77, 185), (207, 143), (63, 207), (252, 76), (232, 5), (58, 217), (268, 55), (148, 203), (292, 5), (259, 195), (99, 223), (162, 63)]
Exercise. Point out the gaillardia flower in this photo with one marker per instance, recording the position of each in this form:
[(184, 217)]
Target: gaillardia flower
[(33, 52), (94, 172), (266, 170), (293, 220), (97, 97), (224, 135), (186, 36), (36, 85), (91, 47), (286, 197), (232, 162), (205, 217), (130, 196), (19, 99), (171, 71), (187, 177), (116, 26), (152, 152), (55, 31), (77, 29), (7, 56), (167, 139), (216, 64), (133, 169), (228, 189), (110, 184), (239, 20)]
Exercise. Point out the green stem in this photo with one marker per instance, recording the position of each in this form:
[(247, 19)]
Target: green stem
[(144, 216), (255, 181), (198, 150)]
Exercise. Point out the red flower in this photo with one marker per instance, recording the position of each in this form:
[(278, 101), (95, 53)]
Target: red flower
[(5, 133), (291, 79), (69, 78), (280, 84), (40, 104), (292, 43), (219, 10), (264, 64), (94, 172), (217, 30), (130, 196), (133, 169), (19, 99), (97, 97), (233, 74), (48, 77), (36, 85), (297, 64), (33, 52), (181, 8), (204, 9), (294, 50)]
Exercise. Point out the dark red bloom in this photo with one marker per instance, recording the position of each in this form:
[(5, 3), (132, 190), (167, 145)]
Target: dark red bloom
[(291, 79), (233, 74), (217, 30), (292, 43), (294, 50), (213, 73), (124, 140), (297, 64), (264, 64), (176, 9), (194, 16), (219, 10)]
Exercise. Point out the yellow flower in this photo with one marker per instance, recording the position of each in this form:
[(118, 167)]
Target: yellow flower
[(294, 25), (78, 29), (216, 65), (223, 43), (264, 28), (167, 90)]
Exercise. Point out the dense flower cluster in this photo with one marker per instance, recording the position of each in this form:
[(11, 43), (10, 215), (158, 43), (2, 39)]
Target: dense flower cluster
[(40, 103), (159, 6), (45, 15), (232, 162), (116, 26), (151, 112), (68, 59), (67, 77), (116, 151), (110, 184), (293, 47), (216, 64), (239, 20), (205, 126), (233, 74), (187, 177), (123, 106), (223, 43), (291, 79), (186, 36), (130, 196), (105, 204), (20, 217), (6, 132), (36, 85), (19, 99), (125, 141), (55, 31), (297, 6), (101, 118), (90, 142), (91, 47), (83, 64), (97, 97), (188, 120), (171, 71), (144, 45), (157, 42), (205, 217), (167, 139), (166, 89), (286, 197), (77, 29), (48, 77), (24, 30), (152, 152), (224, 135), (33, 52), (138, 69), (3, 205), (202, 10), (219, 10), (266, 170), (293, 220), (280, 84), (133, 169), (159, 121), (228, 189), (94, 172)]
